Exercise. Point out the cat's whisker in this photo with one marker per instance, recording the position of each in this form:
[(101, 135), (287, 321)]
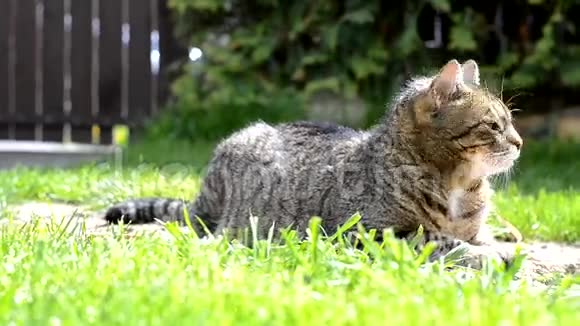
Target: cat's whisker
[(510, 102), (500, 154), (506, 178), (501, 90)]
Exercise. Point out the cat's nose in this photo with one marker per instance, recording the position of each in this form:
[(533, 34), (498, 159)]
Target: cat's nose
[(515, 138), (519, 144)]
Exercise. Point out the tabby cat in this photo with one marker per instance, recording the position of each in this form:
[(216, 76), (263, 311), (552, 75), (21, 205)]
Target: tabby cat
[(427, 163)]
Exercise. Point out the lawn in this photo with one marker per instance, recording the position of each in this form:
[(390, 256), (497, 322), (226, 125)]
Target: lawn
[(50, 277)]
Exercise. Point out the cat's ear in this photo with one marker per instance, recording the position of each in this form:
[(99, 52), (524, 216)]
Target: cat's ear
[(446, 82), (470, 72)]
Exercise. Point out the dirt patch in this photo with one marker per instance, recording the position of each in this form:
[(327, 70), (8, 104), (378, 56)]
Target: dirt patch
[(543, 258), (71, 216)]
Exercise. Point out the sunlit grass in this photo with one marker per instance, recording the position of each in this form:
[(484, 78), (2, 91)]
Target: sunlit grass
[(51, 277)]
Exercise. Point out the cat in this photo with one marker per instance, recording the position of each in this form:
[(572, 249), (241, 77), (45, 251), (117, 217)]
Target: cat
[(427, 163)]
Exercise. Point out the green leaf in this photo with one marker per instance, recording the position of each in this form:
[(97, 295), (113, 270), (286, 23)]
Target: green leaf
[(296, 13), (570, 73), (507, 60), (330, 36), (441, 5), (352, 221), (299, 74), (272, 3), (314, 230), (359, 16), (205, 5), (349, 88), (546, 43), (462, 39), (379, 55), (332, 83), (262, 52), (364, 67), (523, 78), (232, 61), (314, 58), (408, 41), (378, 52)]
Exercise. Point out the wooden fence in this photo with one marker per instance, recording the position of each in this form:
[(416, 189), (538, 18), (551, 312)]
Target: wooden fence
[(70, 70)]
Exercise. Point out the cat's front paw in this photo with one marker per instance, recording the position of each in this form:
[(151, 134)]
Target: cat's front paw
[(476, 255)]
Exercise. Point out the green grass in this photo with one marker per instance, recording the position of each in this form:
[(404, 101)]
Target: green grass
[(50, 277), (47, 277), (152, 169)]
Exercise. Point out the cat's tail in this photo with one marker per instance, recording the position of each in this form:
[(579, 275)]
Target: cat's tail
[(147, 210)]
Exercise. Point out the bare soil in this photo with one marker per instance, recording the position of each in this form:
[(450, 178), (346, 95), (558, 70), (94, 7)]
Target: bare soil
[(544, 259)]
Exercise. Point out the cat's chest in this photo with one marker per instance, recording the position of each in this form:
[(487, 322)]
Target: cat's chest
[(466, 212), (465, 204)]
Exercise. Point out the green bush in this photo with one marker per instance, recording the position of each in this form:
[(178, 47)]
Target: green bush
[(257, 52), (198, 112)]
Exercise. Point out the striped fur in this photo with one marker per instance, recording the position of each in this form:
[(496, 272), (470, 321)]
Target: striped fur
[(146, 210), (427, 163)]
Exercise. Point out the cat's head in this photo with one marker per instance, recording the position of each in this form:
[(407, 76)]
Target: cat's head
[(458, 121)]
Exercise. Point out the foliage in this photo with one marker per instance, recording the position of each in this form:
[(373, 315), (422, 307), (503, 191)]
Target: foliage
[(203, 112), (255, 50)]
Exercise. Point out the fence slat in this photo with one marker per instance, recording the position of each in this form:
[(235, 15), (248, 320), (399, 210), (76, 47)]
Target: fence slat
[(171, 49), (109, 67), (64, 68), (25, 69), (39, 68), (139, 58), (53, 69), (80, 71), (4, 30), (155, 56), (95, 43)]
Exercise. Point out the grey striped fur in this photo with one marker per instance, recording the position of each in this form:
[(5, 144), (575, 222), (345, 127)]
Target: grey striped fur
[(426, 163)]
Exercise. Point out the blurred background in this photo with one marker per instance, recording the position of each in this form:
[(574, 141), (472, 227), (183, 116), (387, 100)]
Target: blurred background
[(89, 71)]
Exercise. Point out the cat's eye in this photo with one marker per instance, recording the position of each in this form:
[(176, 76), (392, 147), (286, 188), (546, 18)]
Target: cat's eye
[(495, 126)]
